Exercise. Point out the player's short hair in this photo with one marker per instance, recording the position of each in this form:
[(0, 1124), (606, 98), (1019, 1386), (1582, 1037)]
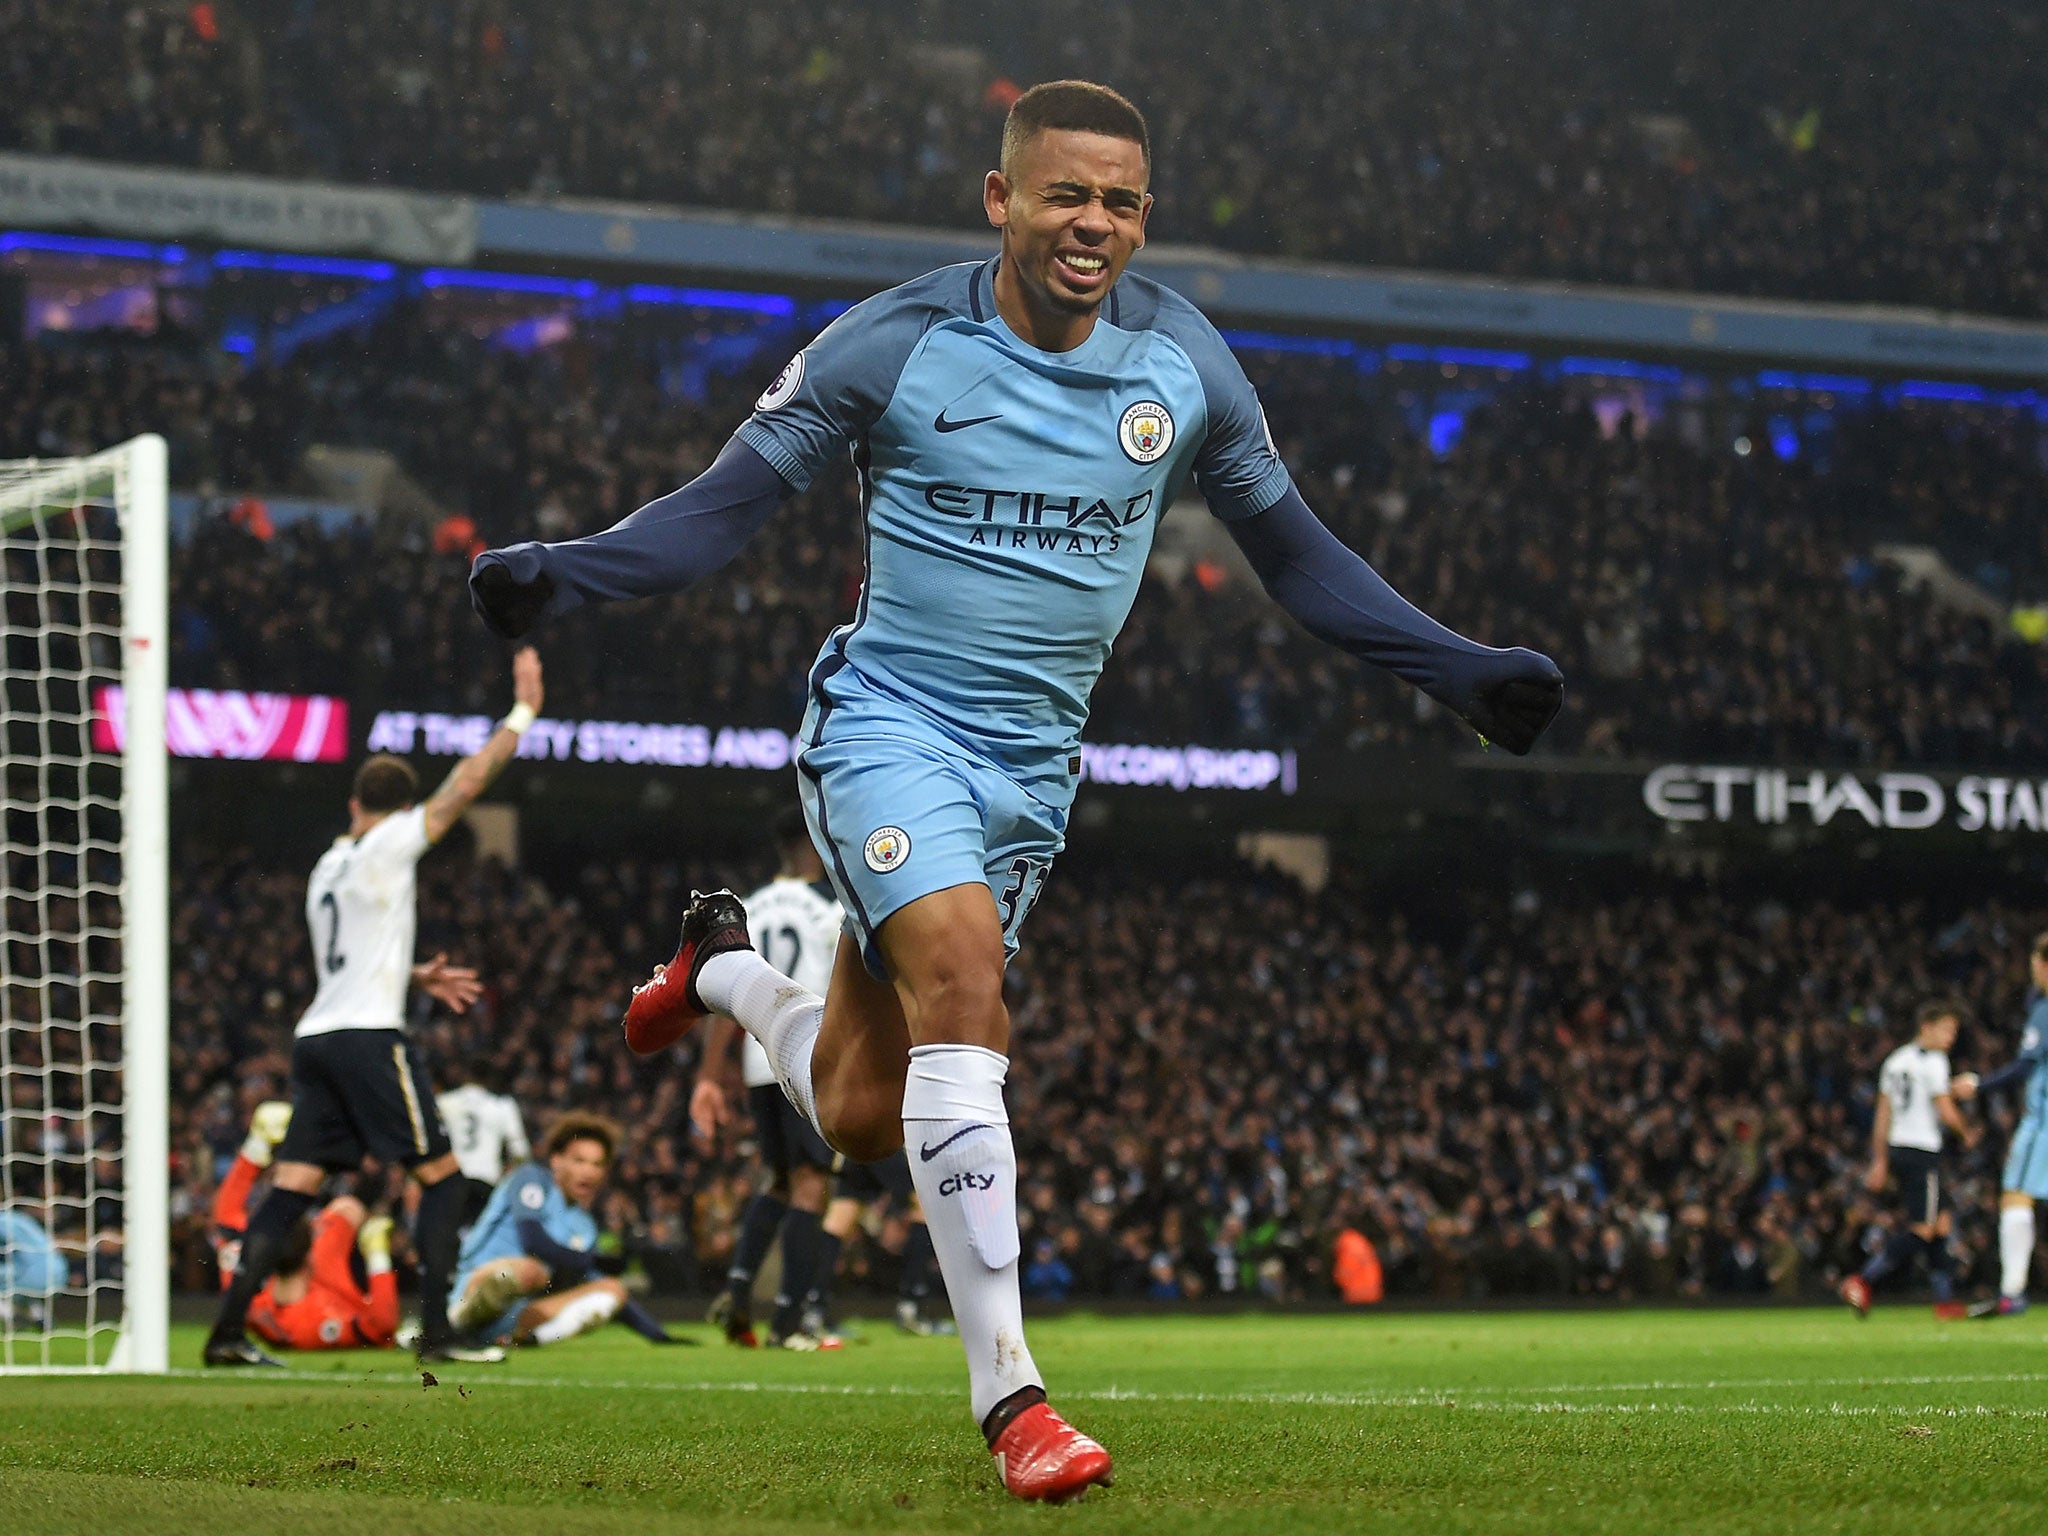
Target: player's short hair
[(577, 1126), (386, 783), (2041, 943), (1935, 1009), (1078, 106)]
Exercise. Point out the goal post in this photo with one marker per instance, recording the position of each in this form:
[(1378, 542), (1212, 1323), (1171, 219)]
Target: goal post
[(84, 912)]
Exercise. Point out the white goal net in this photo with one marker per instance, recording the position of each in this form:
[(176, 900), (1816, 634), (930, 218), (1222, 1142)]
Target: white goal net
[(84, 987)]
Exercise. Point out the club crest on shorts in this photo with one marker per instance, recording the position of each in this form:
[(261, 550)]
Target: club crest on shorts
[(1146, 432), (886, 849), (783, 390)]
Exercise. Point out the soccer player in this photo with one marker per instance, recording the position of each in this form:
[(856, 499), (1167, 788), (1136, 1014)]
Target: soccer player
[(526, 1271), (1915, 1101), (1018, 426), (314, 1300), (488, 1134), (2026, 1161), (358, 1085), (795, 920)]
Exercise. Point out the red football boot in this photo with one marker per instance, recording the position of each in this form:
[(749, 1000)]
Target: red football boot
[(665, 1007), (1042, 1456), (1856, 1292)]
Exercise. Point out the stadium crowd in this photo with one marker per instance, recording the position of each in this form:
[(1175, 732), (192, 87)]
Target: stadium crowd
[(1659, 1094), (1808, 152), (1703, 601)]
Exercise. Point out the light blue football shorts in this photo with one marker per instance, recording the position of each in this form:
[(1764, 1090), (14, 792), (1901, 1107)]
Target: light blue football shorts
[(2026, 1165), (900, 810)]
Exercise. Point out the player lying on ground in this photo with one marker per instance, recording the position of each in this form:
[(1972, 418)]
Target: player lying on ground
[(358, 1084), (2026, 1161), (796, 919), (314, 1300), (528, 1269), (1915, 1101), (1018, 427)]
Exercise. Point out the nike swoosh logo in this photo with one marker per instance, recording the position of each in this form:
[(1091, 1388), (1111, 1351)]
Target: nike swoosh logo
[(939, 421), (928, 1153)]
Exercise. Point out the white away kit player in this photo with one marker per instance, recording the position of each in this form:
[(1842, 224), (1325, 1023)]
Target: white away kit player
[(358, 1085)]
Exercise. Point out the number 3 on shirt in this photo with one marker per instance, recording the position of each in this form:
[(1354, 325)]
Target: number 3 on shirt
[(1027, 878)]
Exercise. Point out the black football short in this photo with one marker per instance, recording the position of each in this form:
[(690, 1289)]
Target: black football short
[(888, 1179), (357, 1091), (1918, 1174), (788, 1140), (476, 1194)]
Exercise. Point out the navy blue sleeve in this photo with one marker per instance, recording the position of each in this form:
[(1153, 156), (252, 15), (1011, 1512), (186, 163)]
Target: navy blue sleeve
[(1508, 696), (831, 393), (669, 544), (2033, 1046), (1237, 469), (565, 1264)]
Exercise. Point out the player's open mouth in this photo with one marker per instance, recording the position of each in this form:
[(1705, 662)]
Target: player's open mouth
[(1082, 269)]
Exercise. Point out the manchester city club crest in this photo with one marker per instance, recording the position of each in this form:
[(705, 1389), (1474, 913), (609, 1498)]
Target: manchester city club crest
[(1146, 432), (783, 390), (887, 848)]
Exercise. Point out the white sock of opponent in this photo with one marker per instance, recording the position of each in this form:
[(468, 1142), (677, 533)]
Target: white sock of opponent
[(957, 1136), (579, 1316), (2015, 1248), (783, 1016)]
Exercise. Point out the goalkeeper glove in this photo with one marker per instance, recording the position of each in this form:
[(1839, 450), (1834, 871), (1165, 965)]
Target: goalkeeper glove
[(1513, 705), (373, 1238), (509, 590), (267, 1126)]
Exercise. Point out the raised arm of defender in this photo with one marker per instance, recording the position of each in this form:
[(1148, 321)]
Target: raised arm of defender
[(669, 544), (1508, 696), (472, 776)]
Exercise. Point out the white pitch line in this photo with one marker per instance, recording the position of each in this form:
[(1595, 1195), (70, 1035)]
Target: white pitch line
[(1478, 1399)]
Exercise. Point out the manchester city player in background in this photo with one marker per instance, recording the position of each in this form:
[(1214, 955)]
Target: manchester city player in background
[(1018, 427), (2026, 1161)]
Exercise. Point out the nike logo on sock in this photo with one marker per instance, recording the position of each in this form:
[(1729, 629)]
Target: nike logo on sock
[(939, 421), (926, 1154)]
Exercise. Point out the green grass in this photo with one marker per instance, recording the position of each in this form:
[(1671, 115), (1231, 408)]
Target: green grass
[(1634, 1422)]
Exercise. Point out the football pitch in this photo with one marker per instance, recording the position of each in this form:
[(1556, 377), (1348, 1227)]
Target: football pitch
[(1632, 1422)]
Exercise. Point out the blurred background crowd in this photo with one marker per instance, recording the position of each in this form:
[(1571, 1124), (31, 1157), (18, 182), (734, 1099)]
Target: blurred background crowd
[(1664, 1093), (1555, 1063), (1811, 152), (1706, 600)]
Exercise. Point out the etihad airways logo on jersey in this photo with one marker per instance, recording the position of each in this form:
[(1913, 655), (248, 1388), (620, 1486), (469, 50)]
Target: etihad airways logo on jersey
[(1065, 525)]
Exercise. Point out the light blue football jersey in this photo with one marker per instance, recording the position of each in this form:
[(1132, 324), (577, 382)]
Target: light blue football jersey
[(1010, 495), (2034, 1048), (527, 1191)]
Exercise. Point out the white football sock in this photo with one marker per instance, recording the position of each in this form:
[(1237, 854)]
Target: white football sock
[(2015, 1248), (783, 1016), (957, 1136), (579, 1316)]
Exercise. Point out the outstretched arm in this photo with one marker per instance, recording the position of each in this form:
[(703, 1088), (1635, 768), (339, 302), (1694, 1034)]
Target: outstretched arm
[(472, 776), (669, 544), (1508, 696)]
